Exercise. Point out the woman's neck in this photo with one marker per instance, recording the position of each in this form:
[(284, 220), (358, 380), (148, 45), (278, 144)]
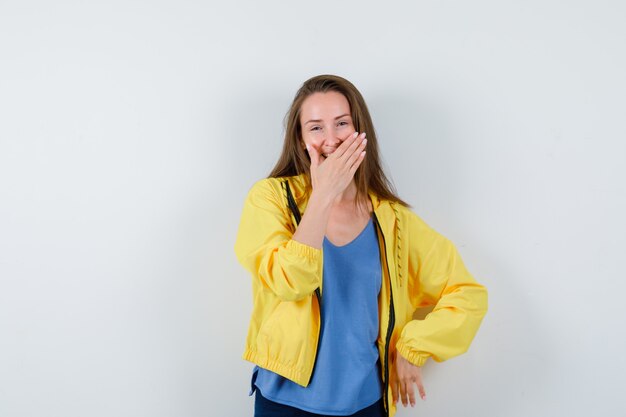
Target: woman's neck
[(348, 195)]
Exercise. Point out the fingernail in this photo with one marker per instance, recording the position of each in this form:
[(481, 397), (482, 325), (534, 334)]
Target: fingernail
[(364, 141), (307, 148), (355, 134), (364, 134)]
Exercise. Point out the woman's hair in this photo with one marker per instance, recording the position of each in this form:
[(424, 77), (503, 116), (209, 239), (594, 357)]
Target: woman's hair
[(294, 160)]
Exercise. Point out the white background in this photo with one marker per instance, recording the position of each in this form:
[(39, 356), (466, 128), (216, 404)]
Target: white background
[(131, 131)]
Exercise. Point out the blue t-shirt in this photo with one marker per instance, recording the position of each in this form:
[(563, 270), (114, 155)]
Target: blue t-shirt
[(346, 377)]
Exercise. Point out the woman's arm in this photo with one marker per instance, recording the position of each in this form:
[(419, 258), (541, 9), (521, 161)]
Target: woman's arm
[(265, 247), (329, 177), (460, 305), (460, 301), (290, 265)]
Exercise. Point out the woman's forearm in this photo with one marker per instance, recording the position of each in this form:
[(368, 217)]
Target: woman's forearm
[(312, 227)]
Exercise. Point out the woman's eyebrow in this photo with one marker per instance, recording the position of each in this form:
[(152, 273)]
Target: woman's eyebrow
[(319, 120)]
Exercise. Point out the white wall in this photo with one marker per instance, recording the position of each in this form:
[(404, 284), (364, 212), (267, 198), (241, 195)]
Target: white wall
[(130, 132)]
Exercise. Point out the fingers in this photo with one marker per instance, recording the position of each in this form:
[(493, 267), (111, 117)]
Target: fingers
[(417, 378), (403, 393), (407, 393), (345, 145), (404, 376), (352, 147), (315, 156), (420, 385), (411, 394), (421, 389), (356, 165), (351, 152), (357, 157), (348, 146), (335, 171)]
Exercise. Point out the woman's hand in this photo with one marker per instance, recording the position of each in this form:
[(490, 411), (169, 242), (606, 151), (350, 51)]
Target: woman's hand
[(331, 176), (406, 374)]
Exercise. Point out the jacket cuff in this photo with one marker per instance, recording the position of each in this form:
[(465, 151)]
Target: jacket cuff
[(417, 358), (305, 251)]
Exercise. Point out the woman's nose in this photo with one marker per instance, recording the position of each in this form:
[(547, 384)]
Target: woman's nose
[(332, 137)]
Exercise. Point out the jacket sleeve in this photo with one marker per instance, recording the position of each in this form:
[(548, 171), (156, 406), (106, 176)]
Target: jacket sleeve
[(264, 246), (460, 302)]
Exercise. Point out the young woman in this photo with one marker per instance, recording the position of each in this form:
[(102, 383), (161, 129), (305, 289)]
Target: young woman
[(339, 265)]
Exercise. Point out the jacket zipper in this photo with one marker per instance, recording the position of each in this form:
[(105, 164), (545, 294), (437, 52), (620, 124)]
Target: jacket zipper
[(319, 303), (392, 321)]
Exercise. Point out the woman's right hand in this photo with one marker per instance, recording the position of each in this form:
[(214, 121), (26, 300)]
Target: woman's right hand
[(331, 176)]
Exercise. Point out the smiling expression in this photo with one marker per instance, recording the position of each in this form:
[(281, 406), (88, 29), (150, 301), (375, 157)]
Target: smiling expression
[(325, 121)]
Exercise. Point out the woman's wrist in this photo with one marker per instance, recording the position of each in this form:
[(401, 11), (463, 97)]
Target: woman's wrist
[(321, 199)]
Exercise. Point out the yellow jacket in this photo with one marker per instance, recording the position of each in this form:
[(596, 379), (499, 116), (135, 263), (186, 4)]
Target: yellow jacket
[(420, 268)]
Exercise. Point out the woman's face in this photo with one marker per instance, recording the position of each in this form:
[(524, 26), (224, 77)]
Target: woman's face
[(325, 121)]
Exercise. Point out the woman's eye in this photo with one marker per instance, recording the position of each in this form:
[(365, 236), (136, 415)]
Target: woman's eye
[(315, 128), (342, 123)]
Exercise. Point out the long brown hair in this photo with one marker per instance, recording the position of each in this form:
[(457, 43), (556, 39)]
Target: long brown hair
[(294, 160)]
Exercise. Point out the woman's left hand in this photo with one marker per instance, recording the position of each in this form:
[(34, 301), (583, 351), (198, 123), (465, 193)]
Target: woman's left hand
[(406, 375)]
